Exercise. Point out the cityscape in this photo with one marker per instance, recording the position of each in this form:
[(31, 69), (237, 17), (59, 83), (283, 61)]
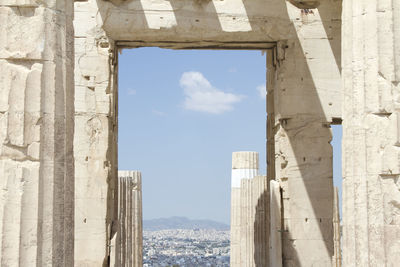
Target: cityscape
[(186, 248)]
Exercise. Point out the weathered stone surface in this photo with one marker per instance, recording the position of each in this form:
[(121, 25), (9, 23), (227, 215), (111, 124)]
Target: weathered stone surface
[(128, 246), (275, 240), (36, 133), (306, 93), (254, 222), (371, 169), (190, 21), (303, 100), (337, 236), (202, 23), (305, 4), (16, 42), (244, 166), (42, 117), (96, 197)]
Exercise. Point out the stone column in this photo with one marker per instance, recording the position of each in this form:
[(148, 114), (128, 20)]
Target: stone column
[(246, 223), (254, 222), (95, 138), (304, 99), (129, 241), (371, 133), (261, 220), (36, 133), (244, 166), (137, 227), (304, 171), (337, 257), (275, 240)]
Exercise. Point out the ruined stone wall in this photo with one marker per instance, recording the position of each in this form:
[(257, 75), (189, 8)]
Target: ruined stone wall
[(36, 133)]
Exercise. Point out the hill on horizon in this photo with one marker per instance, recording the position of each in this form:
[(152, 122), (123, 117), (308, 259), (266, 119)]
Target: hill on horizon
[(176, 222)]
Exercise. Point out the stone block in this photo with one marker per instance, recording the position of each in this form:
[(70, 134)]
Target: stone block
[(308, 229), (43, 42)]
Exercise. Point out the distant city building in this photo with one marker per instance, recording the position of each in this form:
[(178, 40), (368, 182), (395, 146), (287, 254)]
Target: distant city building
[(186, 247)]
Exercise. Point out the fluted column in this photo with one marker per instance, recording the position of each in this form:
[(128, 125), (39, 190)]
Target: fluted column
[(137, 227), (244, 166), (261, 220), (254, 222), (129, 241), (371, 133), (275, 240), (337, 256), (246, 223), (36, 133)]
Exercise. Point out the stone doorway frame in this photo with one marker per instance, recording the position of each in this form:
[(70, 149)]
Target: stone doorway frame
[(96, 122)]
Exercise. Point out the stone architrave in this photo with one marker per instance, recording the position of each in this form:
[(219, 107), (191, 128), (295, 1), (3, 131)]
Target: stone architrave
[(36, 133), (371, 133)]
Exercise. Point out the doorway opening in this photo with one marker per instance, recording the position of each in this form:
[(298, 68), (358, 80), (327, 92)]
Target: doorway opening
[(337, 162), (181, 115), (337, 183)]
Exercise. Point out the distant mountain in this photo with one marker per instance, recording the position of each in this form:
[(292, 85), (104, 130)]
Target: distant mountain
[(182, 223)]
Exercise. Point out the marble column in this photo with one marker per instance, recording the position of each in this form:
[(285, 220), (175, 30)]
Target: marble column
[(129, 240), (254, 222), (244, 166), (371, 132), (337, 256), (36, 133), (275, 239)]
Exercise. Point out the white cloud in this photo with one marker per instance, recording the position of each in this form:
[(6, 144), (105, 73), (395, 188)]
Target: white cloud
[(232, 70), (131, 91), (262, 90), (159, 113), (201, 96)]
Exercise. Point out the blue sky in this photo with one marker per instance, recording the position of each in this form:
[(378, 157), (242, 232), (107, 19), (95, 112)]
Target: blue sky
[(181, 115)]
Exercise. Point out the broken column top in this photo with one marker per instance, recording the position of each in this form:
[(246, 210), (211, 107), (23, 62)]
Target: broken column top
[(134, 176), (245, 160), (244, 166)]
